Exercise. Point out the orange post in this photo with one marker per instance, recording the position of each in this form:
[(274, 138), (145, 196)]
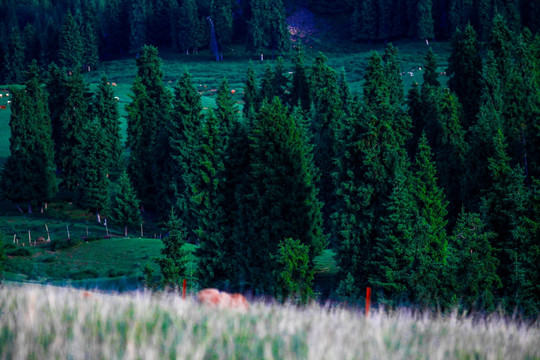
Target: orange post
[(368, 300), (184, 288)]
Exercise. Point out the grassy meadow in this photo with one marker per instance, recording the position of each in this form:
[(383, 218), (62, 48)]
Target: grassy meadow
[(46, 322)]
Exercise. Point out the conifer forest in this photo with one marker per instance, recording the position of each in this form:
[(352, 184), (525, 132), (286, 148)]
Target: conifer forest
[(428, 194)]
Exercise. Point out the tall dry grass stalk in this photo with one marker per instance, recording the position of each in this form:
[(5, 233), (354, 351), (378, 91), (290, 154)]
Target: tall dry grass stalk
[(39, 322)]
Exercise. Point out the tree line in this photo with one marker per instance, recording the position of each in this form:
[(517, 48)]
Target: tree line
[(429, 197), (77, 34)]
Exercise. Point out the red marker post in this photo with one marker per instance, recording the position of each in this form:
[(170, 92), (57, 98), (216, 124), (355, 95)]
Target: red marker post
[(184, 288), (368, 300)]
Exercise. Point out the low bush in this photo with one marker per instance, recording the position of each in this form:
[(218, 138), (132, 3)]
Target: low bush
[(84, 274), (19, 252)]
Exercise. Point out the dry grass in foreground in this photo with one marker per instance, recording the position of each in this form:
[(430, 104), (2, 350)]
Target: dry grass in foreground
[(39, 322)]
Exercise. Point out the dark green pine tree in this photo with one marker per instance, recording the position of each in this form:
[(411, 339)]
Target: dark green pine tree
[(148, 115), (56, 89), (74, 115), (424, 20), (416, 113), (430, 248), (505, 207), (50, 43), (70, 54), (32, 44), (28, 174), (222, 16), (300, 91), (251, 97), (174, 263), (465, 73), (92, 189), (185, 128), (473, 263), (105, 108), (500, 43), (481, 134), (208, 200), (15, 58), (283, 197), (392, 70), (138, 21), (452, 150), (326, 121), (89, 38), (344, 92), (126, 209), (266, 90), (268, 27), (364, 22), (279, 80), (226, 109), (186, 26), (395, 242), (522, 108), (430, 69)]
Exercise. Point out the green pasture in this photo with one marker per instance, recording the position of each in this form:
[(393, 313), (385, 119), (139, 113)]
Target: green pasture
[(207, 73)]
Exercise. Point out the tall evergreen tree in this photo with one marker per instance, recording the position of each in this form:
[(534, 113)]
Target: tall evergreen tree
[(465, 72), (74, 115), (424, 20), (279, 80), (186, 125), (126, 206), (267, 26), (266, 90), (208, 200), (138, 22), (431, 242), (56, 89), (15, 58), (28, 174), (300, 91), (92, 189), (105, 108), (89, 38), (221, 12), (148, 115), (70, 54), (251, 97), (473, 263), (392, 70), (283, 197), (174, 263)]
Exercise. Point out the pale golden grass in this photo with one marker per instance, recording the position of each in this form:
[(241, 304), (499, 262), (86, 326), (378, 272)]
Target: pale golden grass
[(45, 322)]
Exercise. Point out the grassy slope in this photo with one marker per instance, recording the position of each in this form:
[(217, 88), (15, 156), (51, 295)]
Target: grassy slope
[(48, 322)]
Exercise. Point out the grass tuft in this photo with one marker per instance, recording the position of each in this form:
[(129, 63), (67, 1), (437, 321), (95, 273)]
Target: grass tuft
[(48, 322)]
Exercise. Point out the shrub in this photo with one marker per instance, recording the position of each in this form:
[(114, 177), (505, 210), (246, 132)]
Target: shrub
[(19, 252), (84, 274)]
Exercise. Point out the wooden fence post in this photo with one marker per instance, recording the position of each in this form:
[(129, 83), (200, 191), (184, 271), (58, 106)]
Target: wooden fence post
[(184, 288)]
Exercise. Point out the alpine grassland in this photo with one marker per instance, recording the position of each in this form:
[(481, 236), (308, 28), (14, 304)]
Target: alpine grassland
[(47, 322)]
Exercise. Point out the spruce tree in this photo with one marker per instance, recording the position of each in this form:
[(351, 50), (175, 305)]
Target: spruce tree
[(395, 243), (138, 21), (72, 119), (279, 80), (105, 108), (430, 249), (92, 189), (392, 70), (424, 20), (15, 58), (174, 263), (251, 97), (221, 12), (430, 69), (31, 42), (56, 89), (186, 125), (504, 208), (208, 200), (473, 263), (126, 206), (267, 26), (326, 121), (186, 26), (300, 91), (266, 90), (89, 38), (148, 115), (28, 174), (465, 72), (70, 54), (282, 199)]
